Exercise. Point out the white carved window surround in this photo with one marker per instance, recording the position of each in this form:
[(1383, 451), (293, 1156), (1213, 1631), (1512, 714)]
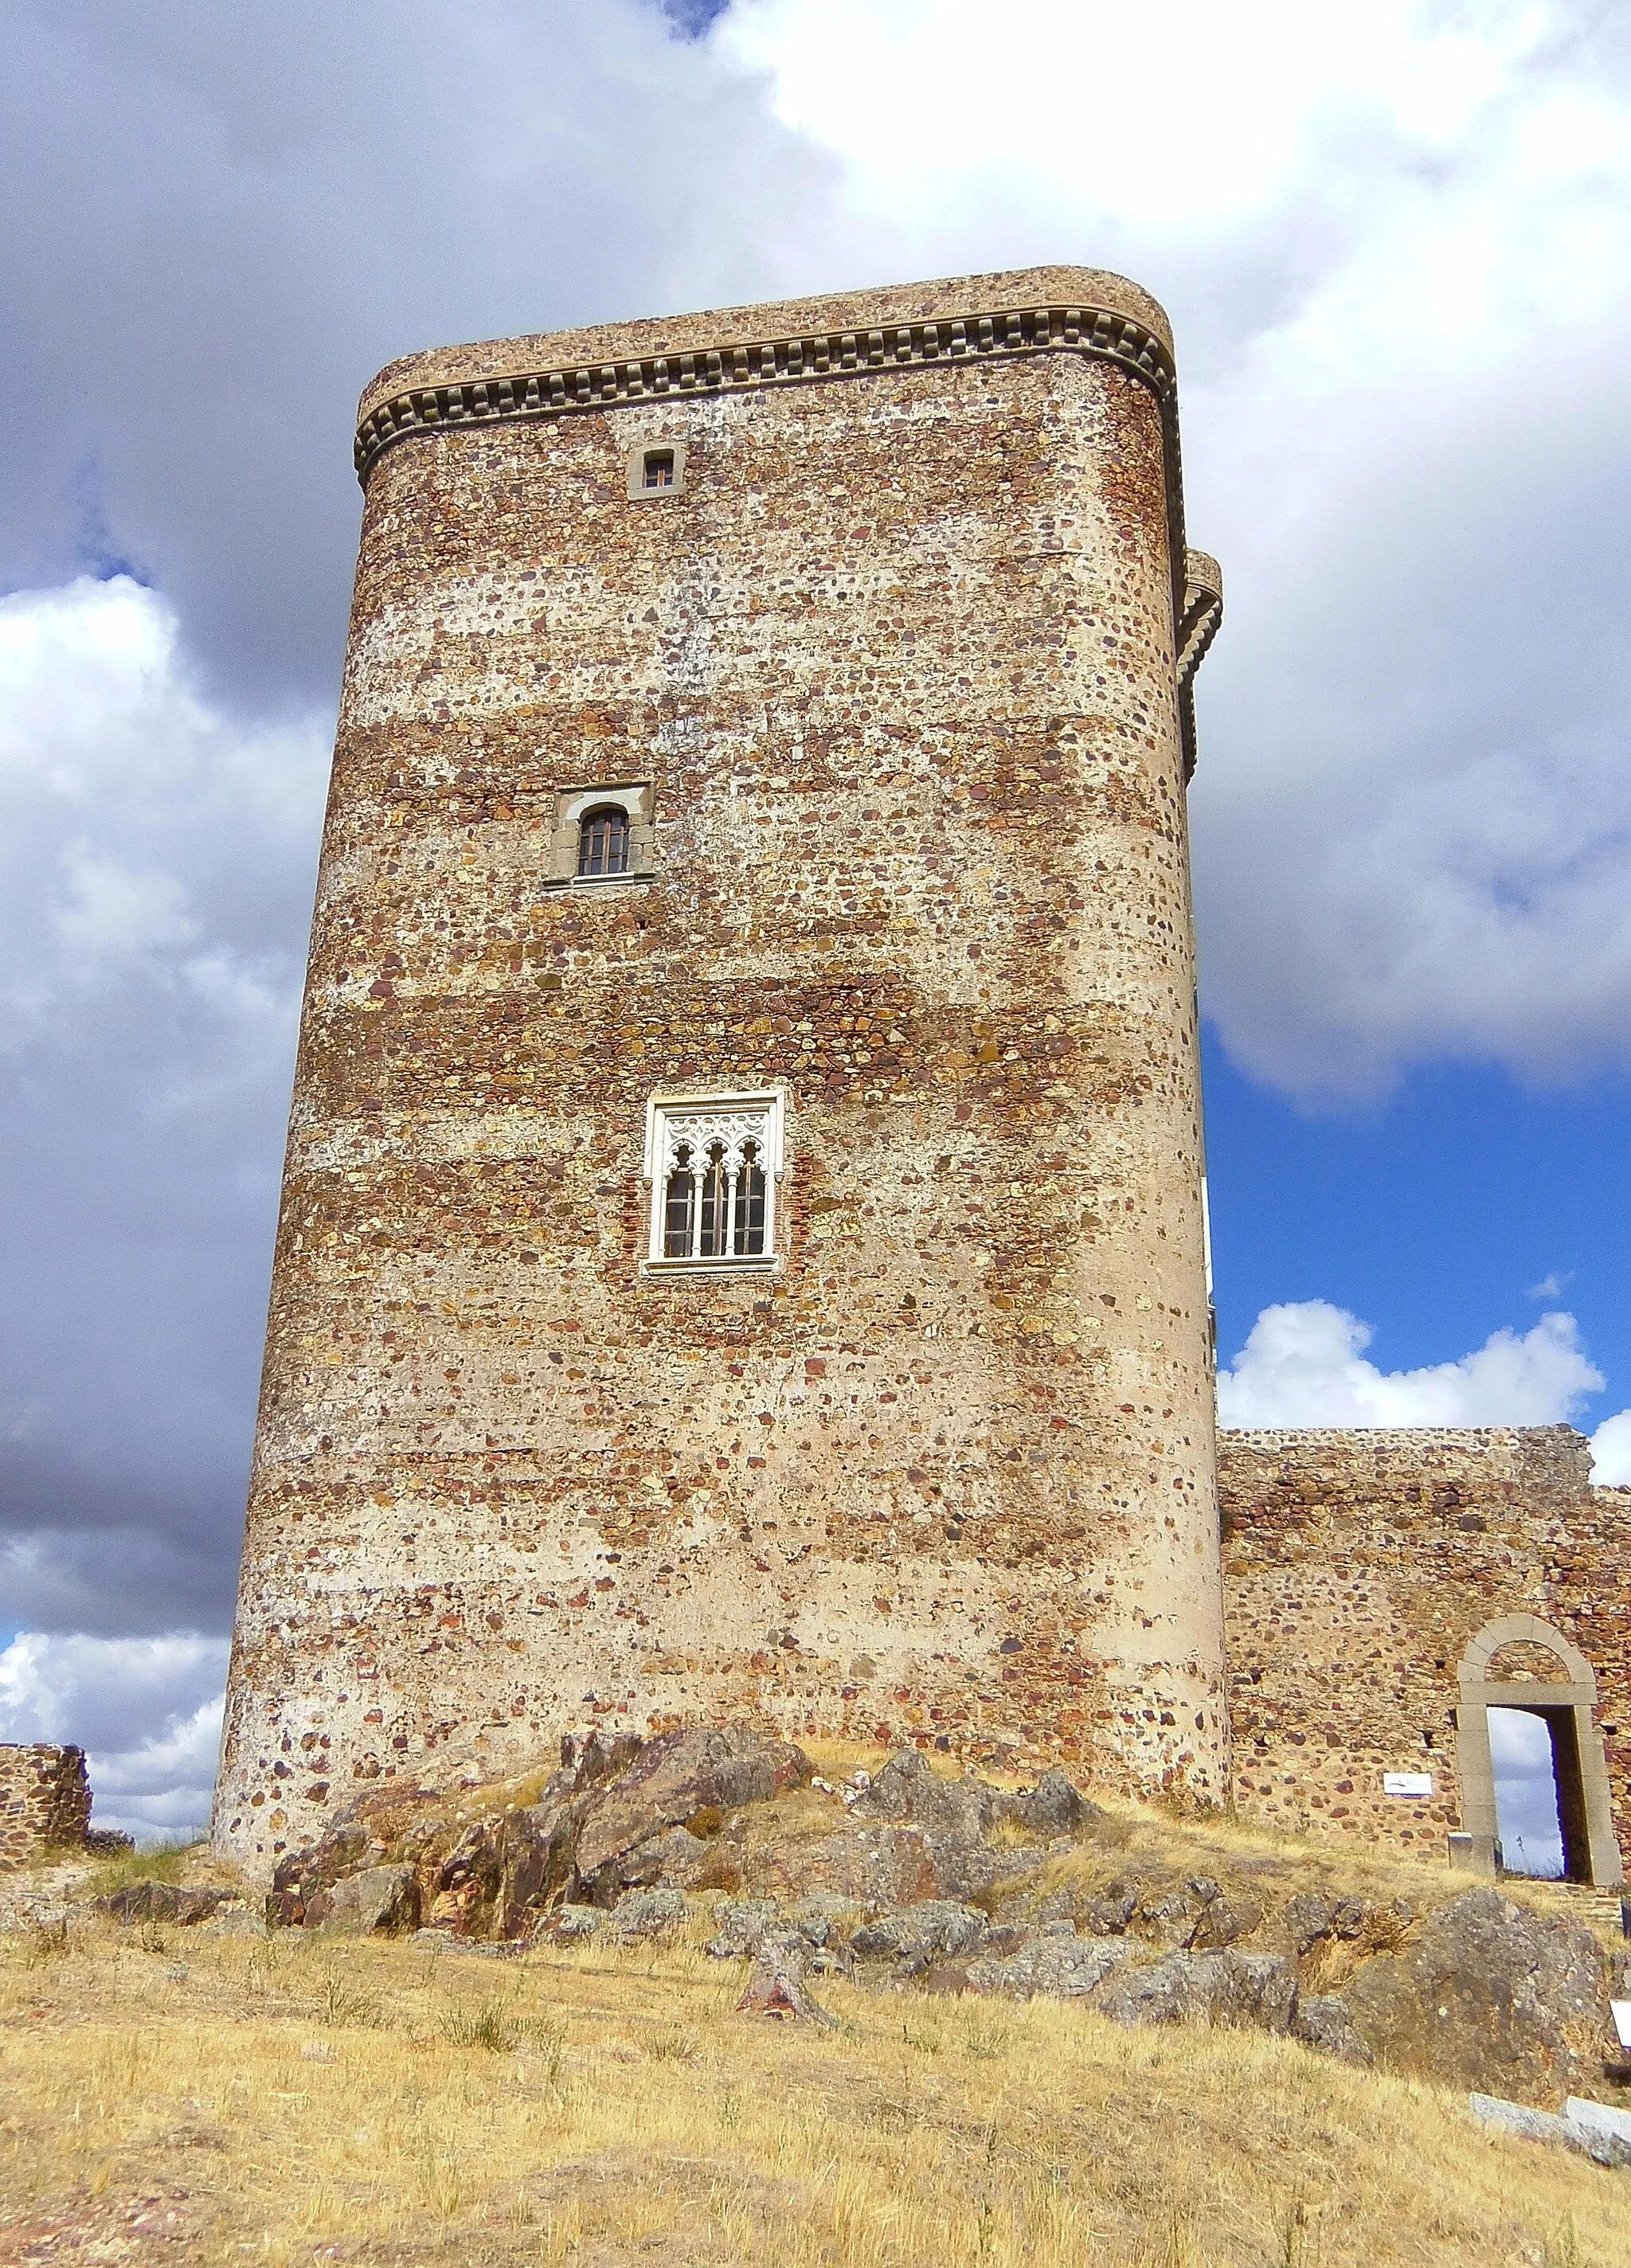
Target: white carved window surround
[(712, 1164)]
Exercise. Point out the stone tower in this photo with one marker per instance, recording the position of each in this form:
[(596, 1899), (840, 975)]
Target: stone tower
[(741, 1245)]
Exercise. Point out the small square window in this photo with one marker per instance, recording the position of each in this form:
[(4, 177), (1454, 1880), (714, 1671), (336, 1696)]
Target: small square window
[(656, 471)]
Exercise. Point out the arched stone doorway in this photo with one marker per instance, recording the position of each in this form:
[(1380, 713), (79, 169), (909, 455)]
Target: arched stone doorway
[(1590, 1853)]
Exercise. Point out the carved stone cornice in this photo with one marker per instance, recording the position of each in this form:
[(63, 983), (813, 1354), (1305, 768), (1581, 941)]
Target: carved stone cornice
[(746, 366), (817, 356)]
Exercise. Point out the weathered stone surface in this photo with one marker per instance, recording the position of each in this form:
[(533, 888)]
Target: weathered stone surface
[(169, 1902), (1323, 2020), (913, 1937), (889, 675), (1111, 1912), (775, 1986), (1221, 1921), (384, 1898), (1241, 1989), (1603, 2146), (45, 1800), (1057, 1963), (678, 1775), (647, 1913), (876, 1867), (741, 1925), (1490, 1996)]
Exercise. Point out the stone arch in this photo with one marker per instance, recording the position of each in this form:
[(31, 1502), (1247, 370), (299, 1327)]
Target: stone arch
[(1567, 1703)]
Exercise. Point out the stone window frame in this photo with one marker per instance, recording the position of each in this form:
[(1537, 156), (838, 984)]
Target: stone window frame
[(658, 445), (1577, 1692), (571, 805), (769, 1104)]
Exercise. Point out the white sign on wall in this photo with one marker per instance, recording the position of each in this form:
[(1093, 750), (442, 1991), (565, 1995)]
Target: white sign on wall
[(1406, 1783)]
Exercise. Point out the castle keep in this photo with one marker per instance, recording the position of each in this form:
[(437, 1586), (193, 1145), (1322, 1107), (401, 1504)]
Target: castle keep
[(742, 1253), (742, 1242)]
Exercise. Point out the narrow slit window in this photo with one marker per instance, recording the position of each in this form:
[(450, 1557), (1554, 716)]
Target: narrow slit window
[(603, 842)]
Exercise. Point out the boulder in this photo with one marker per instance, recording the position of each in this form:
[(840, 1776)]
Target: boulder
[(913, 1937), (1490, 1997), (1223, 1921), (1057, 1962), (1311, 1916), (741, 1925), (383, 1898), (1111, 1912), (1257, 1989), (673, 1778), (873, 1867), (1055, 1806), (162, 1902), (647, 1913), (1323, 2020)]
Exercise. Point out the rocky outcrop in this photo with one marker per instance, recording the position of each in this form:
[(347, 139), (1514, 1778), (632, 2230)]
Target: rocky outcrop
[(1491, 1997), (169, 1902), (915, 1879)]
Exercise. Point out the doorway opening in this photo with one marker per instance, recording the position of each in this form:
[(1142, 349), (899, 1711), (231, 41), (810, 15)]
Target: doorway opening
[(1540, 1810)]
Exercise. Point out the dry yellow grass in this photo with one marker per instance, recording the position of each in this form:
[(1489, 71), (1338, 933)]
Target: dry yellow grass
[(178, 2096)]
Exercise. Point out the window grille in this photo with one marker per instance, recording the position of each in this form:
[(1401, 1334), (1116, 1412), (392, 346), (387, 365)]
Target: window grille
[(713, 1167), (603, 841)]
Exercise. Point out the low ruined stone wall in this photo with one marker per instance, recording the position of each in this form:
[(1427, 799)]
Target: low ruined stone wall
[(1358, 1568), (45, 1800)]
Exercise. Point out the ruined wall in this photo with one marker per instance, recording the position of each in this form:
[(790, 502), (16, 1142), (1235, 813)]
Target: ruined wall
[(898, 668), (1358, 1568), (45, 1800)]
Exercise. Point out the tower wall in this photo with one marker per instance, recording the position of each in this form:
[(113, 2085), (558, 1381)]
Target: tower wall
[(892, 676)]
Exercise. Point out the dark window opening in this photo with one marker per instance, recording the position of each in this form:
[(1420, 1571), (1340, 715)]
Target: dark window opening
[(658, 469), (603, 842), (713, 1205)]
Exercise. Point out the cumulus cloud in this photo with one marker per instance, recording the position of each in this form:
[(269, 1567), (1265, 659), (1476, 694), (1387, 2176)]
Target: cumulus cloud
[(156, 860), (1611, 1452), (147, 1711), (1303, 1364), (1520, 1749)]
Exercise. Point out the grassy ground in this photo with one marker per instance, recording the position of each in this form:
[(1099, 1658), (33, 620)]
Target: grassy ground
[(171, 2096)]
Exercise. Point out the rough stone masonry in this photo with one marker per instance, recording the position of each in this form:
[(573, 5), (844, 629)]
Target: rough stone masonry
[(742, 1255), (863, 626)]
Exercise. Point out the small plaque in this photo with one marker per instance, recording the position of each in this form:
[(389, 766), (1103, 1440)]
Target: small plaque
[(1406, 1783)]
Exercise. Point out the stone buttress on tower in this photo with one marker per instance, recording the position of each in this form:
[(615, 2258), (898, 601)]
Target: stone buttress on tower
[(740, 1254)]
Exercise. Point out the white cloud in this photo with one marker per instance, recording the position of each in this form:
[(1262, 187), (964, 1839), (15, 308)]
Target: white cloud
[(147, 1711), (1303, 1365), (1611, 1452)]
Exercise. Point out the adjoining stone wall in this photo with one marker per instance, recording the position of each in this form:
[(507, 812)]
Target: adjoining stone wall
[(1358, 1568), (45, 1800), (894, 672)]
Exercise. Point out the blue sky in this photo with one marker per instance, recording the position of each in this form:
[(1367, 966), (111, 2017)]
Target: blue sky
[(1436, 1216)]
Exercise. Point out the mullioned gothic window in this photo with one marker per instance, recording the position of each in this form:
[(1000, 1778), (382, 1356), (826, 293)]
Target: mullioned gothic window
[(712, 1163)]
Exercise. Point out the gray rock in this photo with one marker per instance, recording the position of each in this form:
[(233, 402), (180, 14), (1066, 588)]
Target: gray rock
[(1111, 1912), (1323, 2020), (1491, 1997), (1591, 2139), (647, 1913), (820, 1918), (383, 1898), (1171, 1915), (1255, 1989), (670, 1860), (675, 1778), (908, 1792), (1311, 1916), (741, 1925), (911, 1938), (573, 1924), (1057, 1962), (162, 1902), (1223, 1921), (1055, 1806)]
